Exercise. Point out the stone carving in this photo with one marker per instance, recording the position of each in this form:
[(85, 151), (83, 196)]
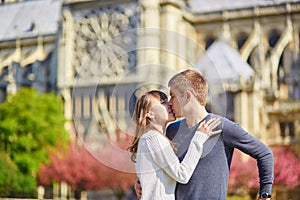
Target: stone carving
[(104, 44)]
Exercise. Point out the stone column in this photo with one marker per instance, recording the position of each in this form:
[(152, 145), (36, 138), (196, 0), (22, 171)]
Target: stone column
[(149, 41), (56, 191), (241, 109), (41, 192), (63, 190), (65, 72)]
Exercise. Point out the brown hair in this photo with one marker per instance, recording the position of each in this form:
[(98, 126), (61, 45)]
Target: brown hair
[(142, 121), (193, 81)]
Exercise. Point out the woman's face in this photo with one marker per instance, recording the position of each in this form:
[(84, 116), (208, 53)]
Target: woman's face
[(161, 112)]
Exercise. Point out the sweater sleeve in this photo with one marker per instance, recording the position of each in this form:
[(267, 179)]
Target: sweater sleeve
[(164, 156), (237, 137)]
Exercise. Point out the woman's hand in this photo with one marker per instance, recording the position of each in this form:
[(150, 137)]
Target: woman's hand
[(207, 127), (138, 188)]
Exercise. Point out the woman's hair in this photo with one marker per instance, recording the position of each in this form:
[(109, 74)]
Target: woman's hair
[(191, 80), (142, 120)]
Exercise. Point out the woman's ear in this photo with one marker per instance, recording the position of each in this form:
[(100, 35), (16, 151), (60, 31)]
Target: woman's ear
[(150, 115)]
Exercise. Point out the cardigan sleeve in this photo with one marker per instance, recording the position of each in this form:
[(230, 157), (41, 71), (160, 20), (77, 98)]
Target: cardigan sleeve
[(163, 155)]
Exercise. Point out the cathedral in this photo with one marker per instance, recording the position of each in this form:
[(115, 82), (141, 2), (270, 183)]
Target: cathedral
[(97, 54)]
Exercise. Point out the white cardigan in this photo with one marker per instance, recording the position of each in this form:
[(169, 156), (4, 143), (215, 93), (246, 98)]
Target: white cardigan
[(158, 167)]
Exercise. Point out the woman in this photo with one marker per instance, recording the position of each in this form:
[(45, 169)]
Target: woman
[(157, 165)]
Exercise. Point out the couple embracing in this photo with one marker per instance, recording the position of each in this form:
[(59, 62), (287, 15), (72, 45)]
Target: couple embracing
[(189, 159)]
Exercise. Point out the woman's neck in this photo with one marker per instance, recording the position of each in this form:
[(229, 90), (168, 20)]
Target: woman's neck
[(159, 128)]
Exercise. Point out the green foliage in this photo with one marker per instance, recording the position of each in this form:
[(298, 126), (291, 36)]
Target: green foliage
[(31, 125), (235, 197), (8, 174)]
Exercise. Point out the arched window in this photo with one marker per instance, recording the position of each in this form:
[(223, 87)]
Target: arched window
[(287, 129), (3, 83), (295, 80), (273, 38), (242, 38), (209, 40), (253, 59)]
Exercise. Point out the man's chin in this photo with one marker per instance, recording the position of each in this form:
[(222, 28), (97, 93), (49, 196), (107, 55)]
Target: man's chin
[(178, 116), (171, 119)]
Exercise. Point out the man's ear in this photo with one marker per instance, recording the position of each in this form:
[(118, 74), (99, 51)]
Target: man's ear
[(188, 95)]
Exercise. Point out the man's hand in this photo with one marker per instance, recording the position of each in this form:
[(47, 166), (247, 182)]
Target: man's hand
[(138, 188)]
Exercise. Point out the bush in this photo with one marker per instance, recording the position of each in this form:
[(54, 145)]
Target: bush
[(8, 175)]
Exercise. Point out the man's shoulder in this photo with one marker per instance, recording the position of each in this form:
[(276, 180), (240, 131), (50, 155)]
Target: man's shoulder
[(175, 124), (224, 121), (173, 128)]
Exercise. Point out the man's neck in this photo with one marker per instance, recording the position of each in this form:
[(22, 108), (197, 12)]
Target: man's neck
[(196, 116)]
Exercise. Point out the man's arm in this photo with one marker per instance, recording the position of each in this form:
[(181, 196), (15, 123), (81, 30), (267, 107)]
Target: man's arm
[(237, 137)]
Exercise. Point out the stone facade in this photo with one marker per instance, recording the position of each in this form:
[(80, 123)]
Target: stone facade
[(104, 50), (267, 37)]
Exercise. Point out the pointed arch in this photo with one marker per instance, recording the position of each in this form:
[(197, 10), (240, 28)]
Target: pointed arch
[(285, 38), (251, 42), (241, 39), (209, 40)]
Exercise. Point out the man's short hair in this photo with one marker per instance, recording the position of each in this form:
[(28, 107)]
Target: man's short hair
[(193, 81)]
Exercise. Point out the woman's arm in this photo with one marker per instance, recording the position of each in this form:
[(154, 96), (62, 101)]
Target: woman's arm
[(164, 156)]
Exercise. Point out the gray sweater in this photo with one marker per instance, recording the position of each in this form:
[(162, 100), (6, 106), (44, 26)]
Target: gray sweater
[(210, 178)]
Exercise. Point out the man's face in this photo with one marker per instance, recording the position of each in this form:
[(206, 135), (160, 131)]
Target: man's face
[(174, 103)]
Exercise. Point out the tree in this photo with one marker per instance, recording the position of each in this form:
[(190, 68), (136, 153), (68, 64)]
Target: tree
[(31, 125), (286, 167), (8, 174), (81, 169), (237, 182), (244, 173)]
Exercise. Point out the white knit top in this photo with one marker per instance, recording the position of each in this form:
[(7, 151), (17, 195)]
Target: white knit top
[(158, 167)]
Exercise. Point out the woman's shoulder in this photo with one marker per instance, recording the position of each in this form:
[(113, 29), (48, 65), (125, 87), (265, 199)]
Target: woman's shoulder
[(153, 137), (150, 134)]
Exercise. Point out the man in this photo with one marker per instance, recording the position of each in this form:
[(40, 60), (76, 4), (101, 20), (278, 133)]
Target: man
[(188, 91)]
